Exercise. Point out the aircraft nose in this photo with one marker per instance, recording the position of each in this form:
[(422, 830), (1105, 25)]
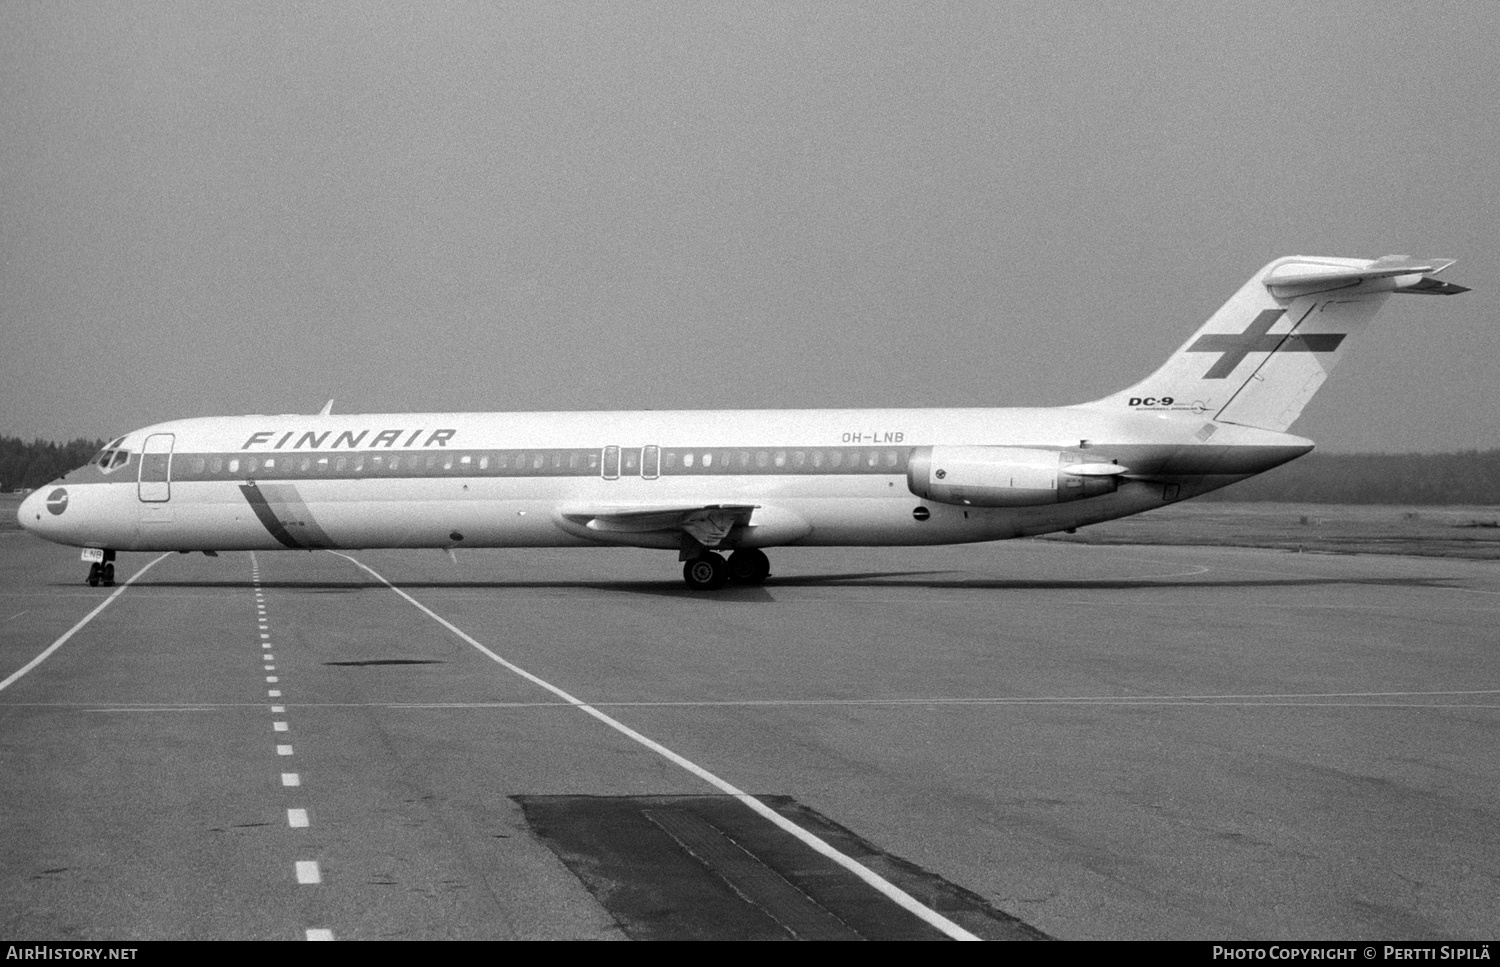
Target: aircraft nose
[(41, 507)]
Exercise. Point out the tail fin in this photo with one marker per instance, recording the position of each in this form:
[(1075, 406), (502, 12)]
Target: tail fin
[(1262, 356)]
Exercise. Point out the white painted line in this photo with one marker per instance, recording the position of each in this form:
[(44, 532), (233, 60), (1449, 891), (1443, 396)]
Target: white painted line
[(271, 679), (278, 708), (264, 635), (892, 892), (296, 818), (279, 726), (268, 657), (291, 779), (270, 668), (267, 645), (308, 872), (283, 750), (74, 630), (319, 933), (273, 693)]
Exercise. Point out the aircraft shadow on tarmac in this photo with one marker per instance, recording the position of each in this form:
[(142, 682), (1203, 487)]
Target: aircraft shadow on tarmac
[(932, 580)]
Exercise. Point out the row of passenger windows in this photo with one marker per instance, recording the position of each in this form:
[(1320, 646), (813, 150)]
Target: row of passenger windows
[(625, 462)]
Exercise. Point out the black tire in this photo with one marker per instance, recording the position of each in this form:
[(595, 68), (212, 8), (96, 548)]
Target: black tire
[(749, 565), (94, 575), (707, 572), (107, 575)]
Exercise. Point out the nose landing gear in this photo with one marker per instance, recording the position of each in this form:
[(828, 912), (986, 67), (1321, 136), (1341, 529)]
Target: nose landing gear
[(103, 572)]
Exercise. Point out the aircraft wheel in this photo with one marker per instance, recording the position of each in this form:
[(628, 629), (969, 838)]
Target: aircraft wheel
[(107, 575), (94, 575), (749, 565), (707, 572)]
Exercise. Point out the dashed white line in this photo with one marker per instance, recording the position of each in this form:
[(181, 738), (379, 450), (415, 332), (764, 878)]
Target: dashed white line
[(273, 693), (291, 779), (296, 818), (280, 726), (271, 679), (308, 872), (283, 750), (278, 708), (319, 933)]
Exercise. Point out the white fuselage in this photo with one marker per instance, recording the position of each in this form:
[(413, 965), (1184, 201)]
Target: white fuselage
[(813, 477)]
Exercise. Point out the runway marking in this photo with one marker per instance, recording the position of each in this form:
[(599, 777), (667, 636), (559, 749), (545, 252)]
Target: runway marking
[(279, 726), (278, 709), (270, 668), (879, 883), (15, 676), (319, 933), (291, 779), (296, 818), (308, 872), (273, 693), (271, 679), (283, 750)]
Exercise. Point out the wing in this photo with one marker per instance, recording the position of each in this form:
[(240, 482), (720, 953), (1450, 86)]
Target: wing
[(708, 524)]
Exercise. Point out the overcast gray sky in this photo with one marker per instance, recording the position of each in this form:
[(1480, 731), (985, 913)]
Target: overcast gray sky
[(218, 208)]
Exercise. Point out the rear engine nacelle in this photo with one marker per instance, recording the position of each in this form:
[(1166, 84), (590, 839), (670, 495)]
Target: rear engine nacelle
[(1007, 476)]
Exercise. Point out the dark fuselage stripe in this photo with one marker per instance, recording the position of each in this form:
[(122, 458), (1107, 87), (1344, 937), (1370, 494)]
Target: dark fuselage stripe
[(266, 515)]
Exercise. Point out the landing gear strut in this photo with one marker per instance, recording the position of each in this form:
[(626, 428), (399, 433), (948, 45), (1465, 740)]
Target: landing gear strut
[(103, 573), (709, 571)]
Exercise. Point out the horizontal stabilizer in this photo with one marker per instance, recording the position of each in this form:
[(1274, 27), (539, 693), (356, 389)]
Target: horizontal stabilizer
[(1296, 278)]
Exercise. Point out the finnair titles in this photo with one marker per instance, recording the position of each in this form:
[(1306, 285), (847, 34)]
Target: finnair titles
[(720, 487)]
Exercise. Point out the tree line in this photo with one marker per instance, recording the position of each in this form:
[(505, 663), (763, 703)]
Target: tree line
[(26, 466), (1466, 477)]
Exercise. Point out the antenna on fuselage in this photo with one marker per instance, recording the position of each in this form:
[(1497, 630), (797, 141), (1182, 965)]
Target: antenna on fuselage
[(327, 409)]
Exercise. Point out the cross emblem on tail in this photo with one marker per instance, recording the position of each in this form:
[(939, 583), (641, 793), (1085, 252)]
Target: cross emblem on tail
[(1256, 338)]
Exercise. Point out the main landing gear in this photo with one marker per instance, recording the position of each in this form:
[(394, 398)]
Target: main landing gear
[(709, 571), (103, 572)]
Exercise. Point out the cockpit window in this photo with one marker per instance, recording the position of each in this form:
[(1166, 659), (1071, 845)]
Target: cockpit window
[(122, 457)]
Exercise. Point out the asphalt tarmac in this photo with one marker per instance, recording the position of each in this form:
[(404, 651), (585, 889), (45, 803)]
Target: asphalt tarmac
[(1033, 739)]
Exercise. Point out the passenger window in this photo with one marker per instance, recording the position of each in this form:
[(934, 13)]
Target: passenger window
[(594, 461), (537, 460), (669, 460), (306, 464), (340, 464), (687, 459), (744, 458), (708, 460), (556, 461), (198, 463), (762, 459), (322, 464), (484, 463), (836, 458), (817, 458), (890, 458), (431, 461), (359, 464), (632, 460), (270, 462), (395, 462), (216, 464), (234, 466), (448, 463), (780, 459)]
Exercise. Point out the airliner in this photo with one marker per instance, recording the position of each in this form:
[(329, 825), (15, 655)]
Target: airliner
[(719, 487)]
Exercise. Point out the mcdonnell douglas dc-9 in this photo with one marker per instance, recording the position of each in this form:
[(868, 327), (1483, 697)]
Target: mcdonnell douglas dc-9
[(708, 483)]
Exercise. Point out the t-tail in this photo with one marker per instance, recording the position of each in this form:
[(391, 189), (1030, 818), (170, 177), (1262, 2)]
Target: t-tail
[(1262, 356)]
